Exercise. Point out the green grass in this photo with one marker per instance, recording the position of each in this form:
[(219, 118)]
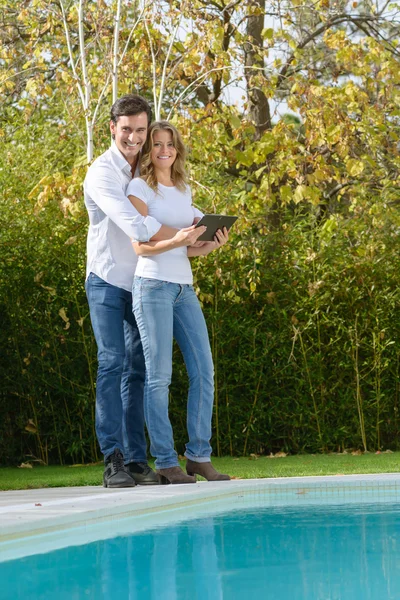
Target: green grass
[(12, 478)]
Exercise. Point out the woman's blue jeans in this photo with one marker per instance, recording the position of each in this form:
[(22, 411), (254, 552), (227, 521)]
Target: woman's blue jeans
[(164, 311)]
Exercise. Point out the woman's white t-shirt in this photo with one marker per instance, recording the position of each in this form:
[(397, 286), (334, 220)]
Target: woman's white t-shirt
[(173, 208)]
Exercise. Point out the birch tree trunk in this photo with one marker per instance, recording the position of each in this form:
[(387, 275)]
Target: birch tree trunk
[(89, 104), (115, 53), (86, 84)]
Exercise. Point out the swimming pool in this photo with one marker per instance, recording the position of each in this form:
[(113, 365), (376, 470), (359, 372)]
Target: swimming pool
[(296, 540)]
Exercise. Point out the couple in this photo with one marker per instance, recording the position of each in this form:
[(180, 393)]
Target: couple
[(135, 350)]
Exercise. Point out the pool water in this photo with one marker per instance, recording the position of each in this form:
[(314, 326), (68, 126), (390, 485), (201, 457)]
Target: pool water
[(350, 552)]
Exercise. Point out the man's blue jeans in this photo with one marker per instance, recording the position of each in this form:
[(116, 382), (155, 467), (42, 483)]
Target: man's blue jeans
[(164, 311), (121, 371)]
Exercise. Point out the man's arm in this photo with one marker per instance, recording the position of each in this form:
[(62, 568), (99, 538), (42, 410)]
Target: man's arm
[(104, 188), (164, 233)]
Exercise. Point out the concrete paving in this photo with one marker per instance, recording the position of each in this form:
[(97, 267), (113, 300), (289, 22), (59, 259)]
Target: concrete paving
[(32, 510)]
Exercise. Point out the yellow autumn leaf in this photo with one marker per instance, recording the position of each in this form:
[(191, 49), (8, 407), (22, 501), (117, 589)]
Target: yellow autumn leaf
[(299, 193), (30, 426), (51, 290), (354, 167), (46, 180), (63, 315), (71, 240), (319, 175), (31, 87), (286, 193), (267, 33), (235, 121)]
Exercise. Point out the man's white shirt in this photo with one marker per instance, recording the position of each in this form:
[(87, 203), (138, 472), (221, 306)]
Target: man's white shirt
[(113, 220)]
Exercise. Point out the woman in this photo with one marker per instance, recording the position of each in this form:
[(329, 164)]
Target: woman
[(166, 307)]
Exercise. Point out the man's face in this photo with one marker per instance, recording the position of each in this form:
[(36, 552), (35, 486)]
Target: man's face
[(130, 134)]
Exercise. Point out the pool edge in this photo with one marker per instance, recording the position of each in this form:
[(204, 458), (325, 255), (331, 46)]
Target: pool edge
[(40, 513)]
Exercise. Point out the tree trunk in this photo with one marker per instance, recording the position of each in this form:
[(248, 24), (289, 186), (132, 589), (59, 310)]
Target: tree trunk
[(259, 110)]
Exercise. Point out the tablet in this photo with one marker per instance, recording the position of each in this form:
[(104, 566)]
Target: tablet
[(213, 223)]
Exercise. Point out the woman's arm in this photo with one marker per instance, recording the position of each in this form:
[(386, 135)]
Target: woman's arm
[(153, 248), (220, 239), (184, 237)]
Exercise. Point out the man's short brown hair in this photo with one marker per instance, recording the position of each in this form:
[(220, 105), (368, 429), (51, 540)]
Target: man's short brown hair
[(129, 105)]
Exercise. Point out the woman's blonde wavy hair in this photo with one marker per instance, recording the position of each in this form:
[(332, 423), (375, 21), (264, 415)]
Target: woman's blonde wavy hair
[(178, 173)]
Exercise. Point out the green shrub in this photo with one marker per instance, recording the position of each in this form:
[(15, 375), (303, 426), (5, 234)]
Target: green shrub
[(302, 309)]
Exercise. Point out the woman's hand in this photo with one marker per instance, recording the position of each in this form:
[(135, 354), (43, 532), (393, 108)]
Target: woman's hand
[(220, 239), (188, 236)]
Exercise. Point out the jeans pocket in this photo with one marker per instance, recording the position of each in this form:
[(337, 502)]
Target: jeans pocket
[(151, 284)]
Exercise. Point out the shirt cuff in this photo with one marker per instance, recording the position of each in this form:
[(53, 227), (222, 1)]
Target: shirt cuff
[(152, 226)]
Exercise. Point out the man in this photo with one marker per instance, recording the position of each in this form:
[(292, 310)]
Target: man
[(111, 263)]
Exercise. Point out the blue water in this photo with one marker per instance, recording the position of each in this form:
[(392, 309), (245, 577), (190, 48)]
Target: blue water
[(309, 553)]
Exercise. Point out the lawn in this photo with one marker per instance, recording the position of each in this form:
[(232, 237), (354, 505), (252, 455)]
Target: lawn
[(13, 478)]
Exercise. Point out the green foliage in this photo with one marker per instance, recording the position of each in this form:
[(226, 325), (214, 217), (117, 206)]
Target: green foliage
[(302, 305), (302, 316)]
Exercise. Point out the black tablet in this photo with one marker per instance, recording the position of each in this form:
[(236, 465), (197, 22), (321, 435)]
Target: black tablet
[(213, 223)]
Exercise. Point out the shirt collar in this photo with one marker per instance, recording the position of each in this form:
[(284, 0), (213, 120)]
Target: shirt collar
[(121, 160)]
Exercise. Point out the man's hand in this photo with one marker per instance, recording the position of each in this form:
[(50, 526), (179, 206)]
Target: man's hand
[(188, 235)]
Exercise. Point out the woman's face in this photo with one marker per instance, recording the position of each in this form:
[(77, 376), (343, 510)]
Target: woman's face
[(163, 153)]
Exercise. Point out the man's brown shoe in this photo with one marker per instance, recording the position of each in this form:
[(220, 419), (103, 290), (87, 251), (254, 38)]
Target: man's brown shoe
[(206, 470)]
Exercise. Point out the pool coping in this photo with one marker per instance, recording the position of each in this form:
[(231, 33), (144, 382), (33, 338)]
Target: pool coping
[(26, 513)]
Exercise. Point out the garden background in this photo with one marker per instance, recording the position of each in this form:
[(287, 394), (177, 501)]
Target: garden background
[(290, 111)]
